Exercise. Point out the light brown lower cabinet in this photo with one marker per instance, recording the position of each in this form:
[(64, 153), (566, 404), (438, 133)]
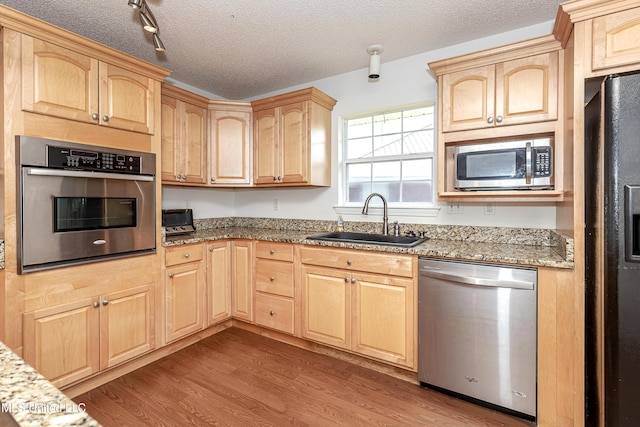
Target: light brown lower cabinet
[(184, 291), (218, 254), (371, 314), (242, 280), (69, 342)]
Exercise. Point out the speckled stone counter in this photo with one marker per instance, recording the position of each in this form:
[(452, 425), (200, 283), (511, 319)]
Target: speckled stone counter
[(1, 254), (530, 247), (32, 400)]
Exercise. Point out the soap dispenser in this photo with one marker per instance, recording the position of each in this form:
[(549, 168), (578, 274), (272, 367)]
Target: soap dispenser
[(340, 224)]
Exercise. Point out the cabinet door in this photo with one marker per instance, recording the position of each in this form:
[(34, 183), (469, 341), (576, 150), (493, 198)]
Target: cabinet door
[(468, 99), (294, 151), (170, 133), (230, 145), (58, 82), (242, 280), (184, 300), (193, 142), (265, 147), (218, 281), (126, 99), (616, 39), (126, 325), (326, 304), (527, 90), (383, 318), (62, 342)]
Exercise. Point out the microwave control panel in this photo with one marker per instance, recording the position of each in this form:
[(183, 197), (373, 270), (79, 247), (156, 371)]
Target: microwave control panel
[(541, 161), (97, 161)]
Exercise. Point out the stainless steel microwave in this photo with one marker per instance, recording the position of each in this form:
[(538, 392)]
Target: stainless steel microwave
[(512, 165)]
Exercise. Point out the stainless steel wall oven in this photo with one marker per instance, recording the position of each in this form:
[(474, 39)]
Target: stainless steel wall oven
[(81, 203)]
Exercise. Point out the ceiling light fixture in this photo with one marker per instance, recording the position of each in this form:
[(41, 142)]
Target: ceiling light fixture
[(374, 62), (148, 21)]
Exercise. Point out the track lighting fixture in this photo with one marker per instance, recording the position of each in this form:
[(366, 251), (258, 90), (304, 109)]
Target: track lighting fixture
[(148, 21), (374, 62)]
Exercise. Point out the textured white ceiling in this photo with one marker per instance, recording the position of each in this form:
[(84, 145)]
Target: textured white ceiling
[(238, 49)]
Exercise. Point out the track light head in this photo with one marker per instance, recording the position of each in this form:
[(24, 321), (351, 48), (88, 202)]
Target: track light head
[(136, 4), (374, 62), (157, 43)]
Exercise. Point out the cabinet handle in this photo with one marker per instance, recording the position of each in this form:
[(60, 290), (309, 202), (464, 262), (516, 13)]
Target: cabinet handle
[(271, 251), (94, 116), (490, 120), (105, 118), (170, 275), (272, 278), (499, 119), (96, 304), (346, 280), (279, 179), (105, 301), (275, 178), (210, 248), (348, 262), (187, 255), (213, 180), (271, 313), (353, 280)]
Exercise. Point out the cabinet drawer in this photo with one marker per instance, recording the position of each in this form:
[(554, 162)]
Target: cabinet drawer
[(277, 251), (183, 254), (274, 277), (391, 264), (274, 312)]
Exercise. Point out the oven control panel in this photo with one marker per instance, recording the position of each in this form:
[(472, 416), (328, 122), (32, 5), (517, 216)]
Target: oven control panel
[(103, 161)]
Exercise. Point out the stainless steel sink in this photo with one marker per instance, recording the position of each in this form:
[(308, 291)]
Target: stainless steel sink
[(369, 238)]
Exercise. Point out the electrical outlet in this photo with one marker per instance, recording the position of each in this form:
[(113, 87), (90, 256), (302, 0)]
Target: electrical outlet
[(454, 208), (276, 204), (489, 208)]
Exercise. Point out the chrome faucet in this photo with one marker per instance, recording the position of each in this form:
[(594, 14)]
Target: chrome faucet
[(385, 216)]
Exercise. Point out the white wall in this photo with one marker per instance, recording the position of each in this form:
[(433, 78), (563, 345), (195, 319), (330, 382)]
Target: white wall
[(402, 82)]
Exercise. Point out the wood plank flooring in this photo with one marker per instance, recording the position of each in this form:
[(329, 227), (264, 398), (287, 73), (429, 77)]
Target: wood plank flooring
[(238, 378)]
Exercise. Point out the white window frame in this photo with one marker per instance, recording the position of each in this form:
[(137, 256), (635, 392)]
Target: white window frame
[(396, 209)]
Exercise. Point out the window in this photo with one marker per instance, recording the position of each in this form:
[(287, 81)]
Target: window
[(391, 153)]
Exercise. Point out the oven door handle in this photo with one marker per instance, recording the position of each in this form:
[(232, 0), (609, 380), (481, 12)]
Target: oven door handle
[(83, 174)]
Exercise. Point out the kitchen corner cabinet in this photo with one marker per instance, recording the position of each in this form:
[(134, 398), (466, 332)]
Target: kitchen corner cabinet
[(242, 280), (274, 286), (184, 141), (63, 83), (69, 342), (292, 139), (184, 290), (361, 302), (218, 255), (230, 136), (523, 90)]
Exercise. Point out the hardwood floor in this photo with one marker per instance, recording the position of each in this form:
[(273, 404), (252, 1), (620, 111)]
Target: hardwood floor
[(238, 378)]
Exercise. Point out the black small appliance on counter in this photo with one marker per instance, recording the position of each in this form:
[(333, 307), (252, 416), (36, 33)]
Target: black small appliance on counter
[(177, 221)]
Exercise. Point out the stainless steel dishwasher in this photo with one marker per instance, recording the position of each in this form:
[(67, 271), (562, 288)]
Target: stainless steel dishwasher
[(477, 333)]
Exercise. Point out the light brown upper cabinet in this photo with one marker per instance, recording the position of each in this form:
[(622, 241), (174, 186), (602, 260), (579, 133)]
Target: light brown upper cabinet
[(184, 140), (292, 139), (522, 90), (616, 41), (230, 136), (63, 83)]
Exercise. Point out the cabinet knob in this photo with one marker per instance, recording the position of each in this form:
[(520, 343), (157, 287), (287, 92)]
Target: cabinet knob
[(96, 304), (170, 275), (210, 248), (275, 178), (105, 118), (187, 255), (94, 116), (271, 313), (353, 280), (272, 278), (271, 251), (499, 119), (348, 262), (490, 120), (346, 280), (279, 179), (105, 301), (213, 179)]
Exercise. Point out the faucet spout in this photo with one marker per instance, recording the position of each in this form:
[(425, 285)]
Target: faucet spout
[(385, 216)]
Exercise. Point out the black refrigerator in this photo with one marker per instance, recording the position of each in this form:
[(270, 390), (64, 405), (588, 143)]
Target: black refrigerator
[(612, 258)]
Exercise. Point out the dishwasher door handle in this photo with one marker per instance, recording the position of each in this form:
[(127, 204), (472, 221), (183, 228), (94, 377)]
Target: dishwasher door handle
[(478, 281)]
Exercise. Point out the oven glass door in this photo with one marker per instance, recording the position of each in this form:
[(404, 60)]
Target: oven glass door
[(71, 217)]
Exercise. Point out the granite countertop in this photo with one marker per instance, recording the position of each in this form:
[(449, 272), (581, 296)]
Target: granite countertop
[(493, 250), (32, 400)]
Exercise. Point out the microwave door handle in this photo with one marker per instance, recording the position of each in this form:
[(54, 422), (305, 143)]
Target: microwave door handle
[(528, 164), (81, 174)]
